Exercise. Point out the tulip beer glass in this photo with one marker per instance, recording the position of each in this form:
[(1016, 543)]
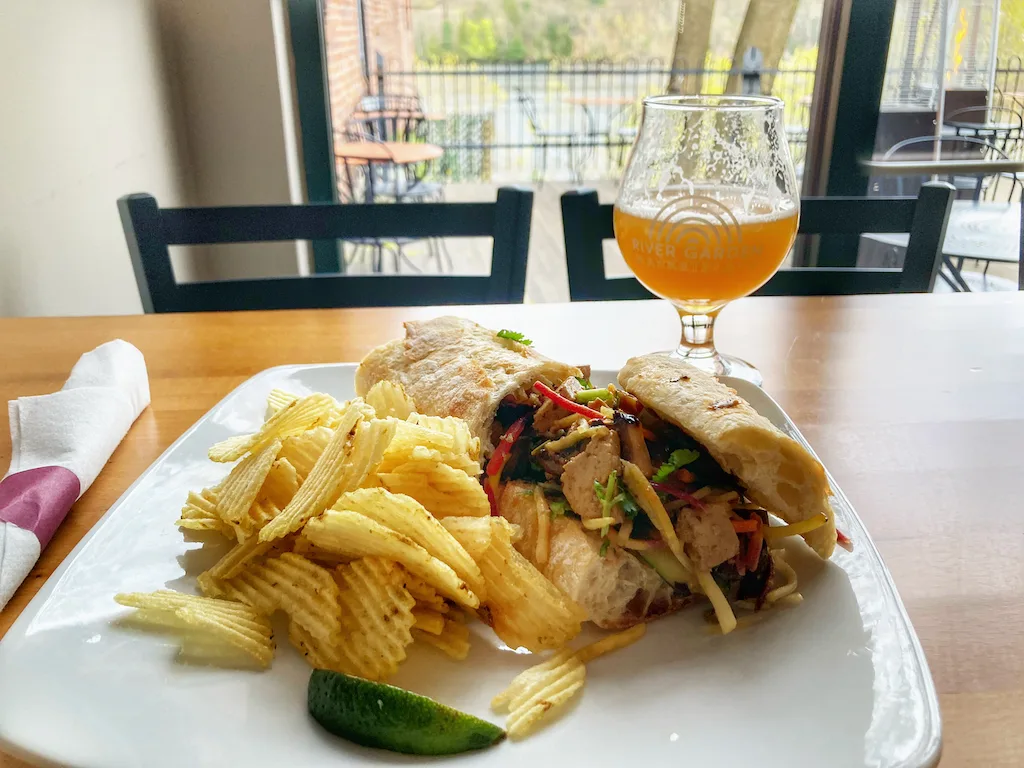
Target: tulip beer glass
[(707, 210)]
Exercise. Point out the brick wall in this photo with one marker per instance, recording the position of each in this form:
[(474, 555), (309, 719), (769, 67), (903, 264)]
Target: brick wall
[(388, 31)]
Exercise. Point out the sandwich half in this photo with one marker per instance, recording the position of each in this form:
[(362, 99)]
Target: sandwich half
[(632, 499)]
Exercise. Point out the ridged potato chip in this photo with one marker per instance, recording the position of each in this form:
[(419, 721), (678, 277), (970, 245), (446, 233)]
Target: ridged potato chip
[(278, 399), (295, 418), (236, 557), (443, 490), (389, 399), (377, 615), (538, 691), (426, 596), (318, 654), (303, 450), (200, 514), (311, 551), (278, 489), (427, 620), (412, 437), (344, 464), (408, 517), (464, 441), (216, 631), (525, 608), (355, 535), (453, 640), (304, 590), (239, 490)]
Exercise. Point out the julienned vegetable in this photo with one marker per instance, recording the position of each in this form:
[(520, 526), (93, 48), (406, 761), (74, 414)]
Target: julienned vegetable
[(746, 526), (795, 529), (754, 548), (588, 395), (499, 458), (565, 402), (678, 493)]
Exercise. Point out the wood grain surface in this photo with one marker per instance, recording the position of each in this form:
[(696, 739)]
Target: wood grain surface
[(915, 403), (399, 152)]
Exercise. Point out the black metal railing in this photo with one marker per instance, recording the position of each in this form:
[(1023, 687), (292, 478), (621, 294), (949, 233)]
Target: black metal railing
[(516, 121)]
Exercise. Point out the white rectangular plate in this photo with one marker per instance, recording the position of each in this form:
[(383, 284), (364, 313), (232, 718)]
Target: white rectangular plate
[(839, 680)]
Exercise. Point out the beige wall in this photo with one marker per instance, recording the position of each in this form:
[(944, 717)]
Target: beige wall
[(85, 120), (229, 112), (178, 98)]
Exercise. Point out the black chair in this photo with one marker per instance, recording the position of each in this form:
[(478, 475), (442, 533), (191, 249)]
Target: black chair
[(973, 185), (149, 230), (568, 138), (586, 223)]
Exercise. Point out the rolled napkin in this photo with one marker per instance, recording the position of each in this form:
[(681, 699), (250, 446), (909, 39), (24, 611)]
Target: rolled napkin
[(60, 442)]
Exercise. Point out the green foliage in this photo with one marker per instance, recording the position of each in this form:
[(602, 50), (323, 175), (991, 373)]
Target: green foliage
[(476, 39), (1011, 30), (511, 33)]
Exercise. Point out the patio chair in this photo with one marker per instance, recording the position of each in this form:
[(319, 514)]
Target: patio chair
[(400, 183), (149, 230), (548, 137), (1001, 127), (586, 223), (949, 148)]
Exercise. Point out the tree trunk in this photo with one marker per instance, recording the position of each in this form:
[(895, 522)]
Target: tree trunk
[(693, 34), (765, 27)]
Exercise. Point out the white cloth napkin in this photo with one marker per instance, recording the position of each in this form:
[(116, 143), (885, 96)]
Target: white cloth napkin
[(60, 443)]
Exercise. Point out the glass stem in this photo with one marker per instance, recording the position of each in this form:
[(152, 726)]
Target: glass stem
[(698, 337)]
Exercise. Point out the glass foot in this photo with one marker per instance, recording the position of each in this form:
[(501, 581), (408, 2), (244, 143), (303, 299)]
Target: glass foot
[(719, 364)]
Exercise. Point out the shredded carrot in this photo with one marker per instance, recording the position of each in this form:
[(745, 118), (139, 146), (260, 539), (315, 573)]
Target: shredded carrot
[(685, 476), (746, 526), (754, 550)]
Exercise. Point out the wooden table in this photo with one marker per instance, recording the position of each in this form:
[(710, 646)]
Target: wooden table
[(385, 153), (397, 152), (916, 404)]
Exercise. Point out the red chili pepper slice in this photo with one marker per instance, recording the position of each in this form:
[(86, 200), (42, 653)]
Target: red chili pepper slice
[(844, 541), (490, 498), (504, 447), (565, 402)]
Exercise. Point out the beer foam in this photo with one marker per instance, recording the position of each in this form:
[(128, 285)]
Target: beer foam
[(710, 204)]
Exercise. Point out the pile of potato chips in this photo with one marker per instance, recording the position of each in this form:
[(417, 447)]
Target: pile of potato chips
[(364, 523)]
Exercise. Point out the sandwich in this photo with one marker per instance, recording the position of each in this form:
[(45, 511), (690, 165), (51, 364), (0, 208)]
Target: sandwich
[(634, 499)]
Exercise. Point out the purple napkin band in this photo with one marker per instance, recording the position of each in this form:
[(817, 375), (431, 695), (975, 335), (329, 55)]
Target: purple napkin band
[(38, 499)]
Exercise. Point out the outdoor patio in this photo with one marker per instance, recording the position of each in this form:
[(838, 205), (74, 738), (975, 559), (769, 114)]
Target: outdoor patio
[(546, 277)]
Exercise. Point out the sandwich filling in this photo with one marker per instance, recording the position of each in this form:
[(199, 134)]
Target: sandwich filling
[(642, 486)]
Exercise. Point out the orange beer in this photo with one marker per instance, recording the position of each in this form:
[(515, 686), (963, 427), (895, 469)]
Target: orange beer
[(699, 248)]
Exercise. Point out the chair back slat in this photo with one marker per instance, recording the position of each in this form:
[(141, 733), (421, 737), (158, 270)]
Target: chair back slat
[(274, 223), (149, 230), (586, 223)]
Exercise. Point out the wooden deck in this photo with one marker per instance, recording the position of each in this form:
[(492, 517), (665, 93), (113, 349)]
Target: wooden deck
[(546, 277)]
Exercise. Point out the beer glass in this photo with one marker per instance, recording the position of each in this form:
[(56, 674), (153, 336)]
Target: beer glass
[(707, 210)]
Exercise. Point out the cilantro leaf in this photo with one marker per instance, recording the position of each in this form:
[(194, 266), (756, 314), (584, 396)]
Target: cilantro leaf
[(678, 458), (504, 333), (628, 505), (599, 490)]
